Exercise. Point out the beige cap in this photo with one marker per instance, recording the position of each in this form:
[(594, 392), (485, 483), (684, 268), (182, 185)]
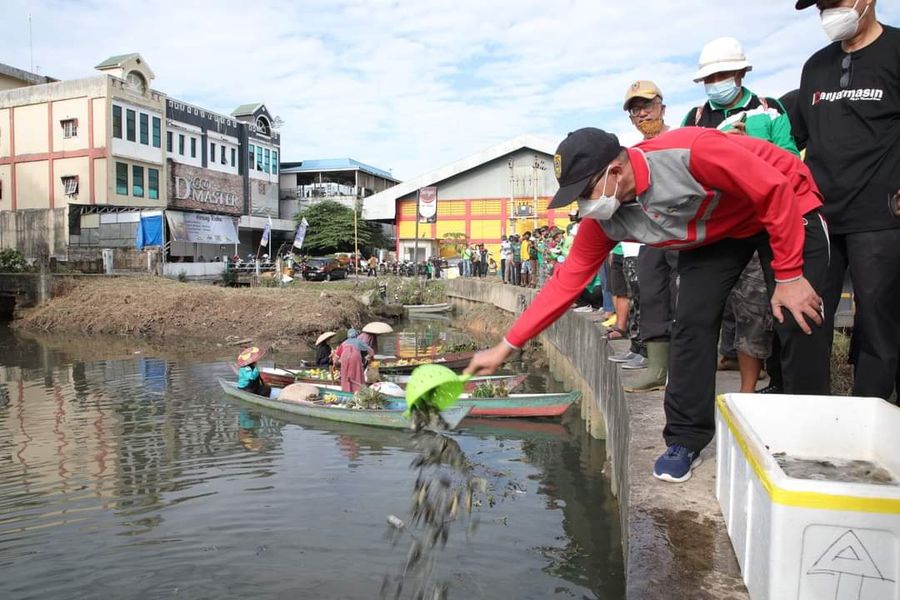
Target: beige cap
[(641, 89)]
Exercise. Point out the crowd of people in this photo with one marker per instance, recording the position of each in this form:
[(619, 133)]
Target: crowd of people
[(727, 240)]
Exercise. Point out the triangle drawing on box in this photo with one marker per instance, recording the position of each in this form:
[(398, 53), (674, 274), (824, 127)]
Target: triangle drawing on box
[(847, 555)]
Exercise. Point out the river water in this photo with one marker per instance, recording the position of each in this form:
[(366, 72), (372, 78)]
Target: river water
[(126, 473)]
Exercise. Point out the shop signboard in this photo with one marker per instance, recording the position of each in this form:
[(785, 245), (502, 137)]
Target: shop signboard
[(201, 228)]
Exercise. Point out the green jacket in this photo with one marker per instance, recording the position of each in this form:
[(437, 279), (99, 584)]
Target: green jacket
[(764, 118)]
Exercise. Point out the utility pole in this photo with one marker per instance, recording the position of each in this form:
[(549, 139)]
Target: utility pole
[(30, 43), (416, 245), (355, 246), (537, 167)]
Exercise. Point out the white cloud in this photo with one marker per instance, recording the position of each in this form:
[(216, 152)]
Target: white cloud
[(410, 86)]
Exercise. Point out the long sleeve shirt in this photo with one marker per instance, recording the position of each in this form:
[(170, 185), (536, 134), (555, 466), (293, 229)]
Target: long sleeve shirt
[(693, 187)]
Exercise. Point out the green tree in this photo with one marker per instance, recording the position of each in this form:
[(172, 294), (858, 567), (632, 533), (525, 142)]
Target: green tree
[(12, 261), (331, 230)]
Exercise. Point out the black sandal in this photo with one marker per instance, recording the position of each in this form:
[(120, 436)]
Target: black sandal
[(615, 333)]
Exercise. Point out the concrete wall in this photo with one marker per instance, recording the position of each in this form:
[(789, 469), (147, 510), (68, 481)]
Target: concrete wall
[(35, 233), (577, 354)]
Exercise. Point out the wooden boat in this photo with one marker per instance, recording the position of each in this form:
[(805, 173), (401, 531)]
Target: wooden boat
[(441, 307), (514, 405), (281, 377), (455, 360), (391, 418)]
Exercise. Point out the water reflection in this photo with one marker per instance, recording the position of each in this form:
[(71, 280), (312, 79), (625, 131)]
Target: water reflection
[(130, 476)]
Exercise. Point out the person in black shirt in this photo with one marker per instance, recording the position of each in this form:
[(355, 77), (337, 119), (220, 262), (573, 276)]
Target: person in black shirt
[(848, 118)]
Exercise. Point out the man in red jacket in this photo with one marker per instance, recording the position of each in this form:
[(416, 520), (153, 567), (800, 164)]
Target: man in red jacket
[(717, 199)]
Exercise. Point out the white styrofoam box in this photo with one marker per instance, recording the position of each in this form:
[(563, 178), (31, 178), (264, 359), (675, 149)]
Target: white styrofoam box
[(803, 539)]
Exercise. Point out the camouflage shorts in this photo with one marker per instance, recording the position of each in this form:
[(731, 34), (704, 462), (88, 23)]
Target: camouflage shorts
[(752, 312)]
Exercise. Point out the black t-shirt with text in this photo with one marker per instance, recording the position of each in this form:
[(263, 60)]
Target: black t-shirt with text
[(852, 133)]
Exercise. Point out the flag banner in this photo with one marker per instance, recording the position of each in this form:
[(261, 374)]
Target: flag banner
[(428, 205), (301, 234), (266, 233)]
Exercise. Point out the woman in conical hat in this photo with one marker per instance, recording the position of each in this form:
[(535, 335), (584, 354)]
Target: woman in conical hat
[(349, 354), (371, 332), (248, 374), (323, 350)]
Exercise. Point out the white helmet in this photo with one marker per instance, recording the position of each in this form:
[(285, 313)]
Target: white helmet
[(721, 54)]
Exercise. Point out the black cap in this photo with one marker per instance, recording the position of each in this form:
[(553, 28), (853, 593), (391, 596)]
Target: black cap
[(801, 4), (580, 156)]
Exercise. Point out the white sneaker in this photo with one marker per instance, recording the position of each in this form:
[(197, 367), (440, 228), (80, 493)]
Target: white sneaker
[(624, 357), (584, 309)]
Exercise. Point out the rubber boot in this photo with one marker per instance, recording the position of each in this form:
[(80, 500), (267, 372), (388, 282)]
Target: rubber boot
[(654, 376)]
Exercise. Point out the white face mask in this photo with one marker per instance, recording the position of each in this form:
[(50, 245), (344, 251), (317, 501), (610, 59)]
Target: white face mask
[(841, 23), (602, 208), (722, 92)]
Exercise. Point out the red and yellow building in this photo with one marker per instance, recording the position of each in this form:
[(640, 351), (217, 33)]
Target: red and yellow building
[(499, 191)]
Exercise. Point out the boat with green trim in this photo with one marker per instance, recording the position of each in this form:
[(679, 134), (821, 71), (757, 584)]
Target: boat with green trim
[(390, 417), (278, 377), (514, 405)]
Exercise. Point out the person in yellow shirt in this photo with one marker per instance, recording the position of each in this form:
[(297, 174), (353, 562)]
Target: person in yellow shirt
[(527, 258)]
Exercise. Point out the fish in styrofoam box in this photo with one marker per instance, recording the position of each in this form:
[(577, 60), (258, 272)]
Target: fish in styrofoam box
[(814, 536)]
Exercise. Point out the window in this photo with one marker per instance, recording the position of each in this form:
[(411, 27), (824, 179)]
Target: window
[(117, 121), (224, 160), (193, 147), (153, 184), (252, 158), (266, 157), (181, 144), (274, 163), (70, 182), (169, 141), (70, 127), (145, 129), (137, 181), (259, 156), (121, 179), (157, 132), (129, 125), (212, 152), (233, 157)]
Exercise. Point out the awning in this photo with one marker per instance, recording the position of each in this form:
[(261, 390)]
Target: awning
[(259, 223)]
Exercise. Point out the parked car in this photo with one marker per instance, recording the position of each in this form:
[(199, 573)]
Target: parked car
[(324, 269)]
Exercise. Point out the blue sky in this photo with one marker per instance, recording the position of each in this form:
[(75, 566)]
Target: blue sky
[(411, 86)]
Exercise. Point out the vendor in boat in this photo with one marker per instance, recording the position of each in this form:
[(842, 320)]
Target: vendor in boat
[(323, 349), (349, 355), (371, 332), (249, 378)]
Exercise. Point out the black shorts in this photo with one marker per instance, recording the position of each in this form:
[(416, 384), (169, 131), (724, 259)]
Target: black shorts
[(617, 286)]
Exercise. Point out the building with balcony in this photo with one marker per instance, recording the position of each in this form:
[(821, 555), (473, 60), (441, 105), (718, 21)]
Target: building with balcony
[(342, 180)]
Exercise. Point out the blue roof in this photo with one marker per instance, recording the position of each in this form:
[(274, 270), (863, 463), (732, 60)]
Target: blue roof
[(335, 164)]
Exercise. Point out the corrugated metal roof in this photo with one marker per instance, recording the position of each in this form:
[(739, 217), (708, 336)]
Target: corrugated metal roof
[(114, 61), (246, 109), (336, 164), (383, 205)]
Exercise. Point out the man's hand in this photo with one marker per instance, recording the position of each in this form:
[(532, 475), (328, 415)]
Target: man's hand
[(488, 361), (739, 128), (897, 204), (801, 299)]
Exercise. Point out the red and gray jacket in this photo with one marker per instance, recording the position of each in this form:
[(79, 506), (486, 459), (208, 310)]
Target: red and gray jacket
[(694, 187)]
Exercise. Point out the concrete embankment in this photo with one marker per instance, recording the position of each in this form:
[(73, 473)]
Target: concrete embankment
[(674, 538)]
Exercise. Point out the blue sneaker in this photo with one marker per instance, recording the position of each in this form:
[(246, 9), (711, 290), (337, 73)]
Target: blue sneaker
[(676, 464)]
